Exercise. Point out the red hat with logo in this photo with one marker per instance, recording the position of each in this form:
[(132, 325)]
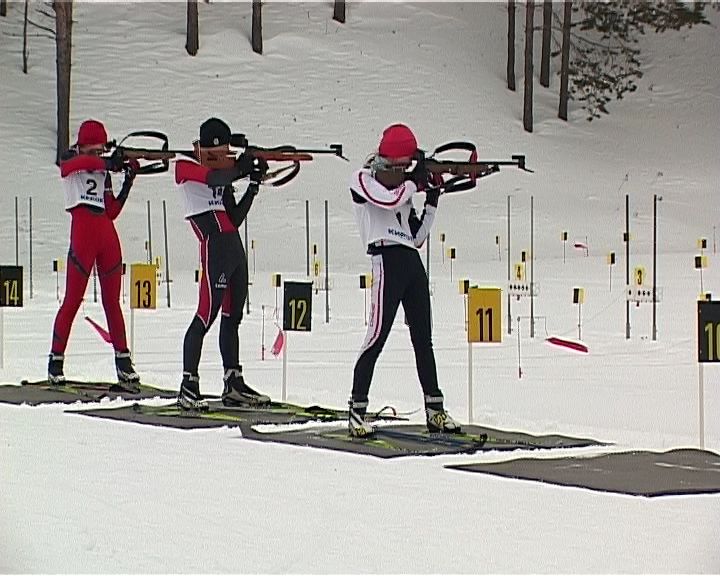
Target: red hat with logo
[(91, 132), (397, 141)]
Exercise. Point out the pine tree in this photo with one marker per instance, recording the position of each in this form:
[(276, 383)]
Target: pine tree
[(63, 41), (192, 37), (605, 60)]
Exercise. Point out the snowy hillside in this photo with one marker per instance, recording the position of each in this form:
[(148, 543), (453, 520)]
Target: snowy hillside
[(80, 495)]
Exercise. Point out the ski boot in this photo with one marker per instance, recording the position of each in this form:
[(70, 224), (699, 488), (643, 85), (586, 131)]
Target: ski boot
[(189, 397), (56, 376), (437, 418), (357, 426), (237, 393), (128, 379)]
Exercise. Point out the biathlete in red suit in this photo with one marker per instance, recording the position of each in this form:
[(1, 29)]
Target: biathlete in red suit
[(94, 241), (215, 216)]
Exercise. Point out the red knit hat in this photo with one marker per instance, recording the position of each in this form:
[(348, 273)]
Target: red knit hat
[(397, 141), (91, 132)]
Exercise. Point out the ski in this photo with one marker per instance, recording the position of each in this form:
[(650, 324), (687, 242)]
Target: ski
[(217, 410), (455, 440)]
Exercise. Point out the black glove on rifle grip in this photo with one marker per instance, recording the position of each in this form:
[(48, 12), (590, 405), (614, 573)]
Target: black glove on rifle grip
[(419, 174), (432, 195), (259, 169), (244, 164), (114, 163)]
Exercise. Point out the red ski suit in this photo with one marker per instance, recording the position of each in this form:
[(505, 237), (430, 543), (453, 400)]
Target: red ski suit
[(93, 241)]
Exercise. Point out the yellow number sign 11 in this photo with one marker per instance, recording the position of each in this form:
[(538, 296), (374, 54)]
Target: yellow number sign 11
[(484, 315)]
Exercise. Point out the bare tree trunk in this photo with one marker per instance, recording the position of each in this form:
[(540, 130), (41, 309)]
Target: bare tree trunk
[(545, 58), (25, 42), (192, 42), (257, 43), (63, 49), (511, 46), (565, 61), (528, 99), (339, 11), (3, 7)]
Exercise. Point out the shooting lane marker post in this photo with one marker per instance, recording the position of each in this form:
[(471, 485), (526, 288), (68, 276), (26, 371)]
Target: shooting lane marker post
[(701, 262), (564, 237), (276, 282), (30, 236), (252, 247), (143, 293), (464, 289), (579, 298), (611, 263), (167, 255), (708, 330), (484, 314), (451, 253), (11, 296), (148, 243), (245, 247), (17, 234), (365, 285), (327, 263), (57, 267), (297, 317)]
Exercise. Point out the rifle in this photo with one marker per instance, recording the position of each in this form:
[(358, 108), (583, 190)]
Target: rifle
[(465, 173), (159, 158)]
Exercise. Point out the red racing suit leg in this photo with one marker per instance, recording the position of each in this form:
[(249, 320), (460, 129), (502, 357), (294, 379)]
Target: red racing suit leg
[(92, 239), (109, 265)]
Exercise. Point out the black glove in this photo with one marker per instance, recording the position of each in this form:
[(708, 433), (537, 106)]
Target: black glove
[(131, 168), (432, 195), (114, 162), (419, 174), (259, 169), (244, 164)]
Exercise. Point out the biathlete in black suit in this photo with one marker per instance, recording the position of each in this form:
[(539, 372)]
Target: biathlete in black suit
[(215, 216)]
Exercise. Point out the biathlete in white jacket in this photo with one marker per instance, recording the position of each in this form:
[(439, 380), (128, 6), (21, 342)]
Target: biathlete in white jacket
[(391, 230)]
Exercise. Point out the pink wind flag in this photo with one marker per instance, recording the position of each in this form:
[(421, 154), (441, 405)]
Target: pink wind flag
[(279, 343), (565, 343), (104, 334)]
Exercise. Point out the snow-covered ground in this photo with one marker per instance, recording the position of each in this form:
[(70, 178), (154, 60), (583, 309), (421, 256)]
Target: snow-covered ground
[(85, 495)]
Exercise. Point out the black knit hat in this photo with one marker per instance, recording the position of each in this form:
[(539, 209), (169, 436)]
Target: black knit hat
[(214, 132)]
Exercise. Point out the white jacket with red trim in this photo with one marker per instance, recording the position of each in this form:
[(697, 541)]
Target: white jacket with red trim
[(84, 179), (388, 216)]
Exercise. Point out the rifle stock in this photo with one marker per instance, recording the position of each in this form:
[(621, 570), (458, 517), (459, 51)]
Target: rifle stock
[(459, 168), (478, 168), (158, 159)]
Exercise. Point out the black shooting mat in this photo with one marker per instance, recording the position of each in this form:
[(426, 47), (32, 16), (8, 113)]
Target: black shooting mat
[(42, 392), (636, 473), (171, 416), (395, 440)]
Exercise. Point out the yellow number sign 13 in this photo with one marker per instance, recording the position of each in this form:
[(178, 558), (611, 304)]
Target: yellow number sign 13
[(142, 286)]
